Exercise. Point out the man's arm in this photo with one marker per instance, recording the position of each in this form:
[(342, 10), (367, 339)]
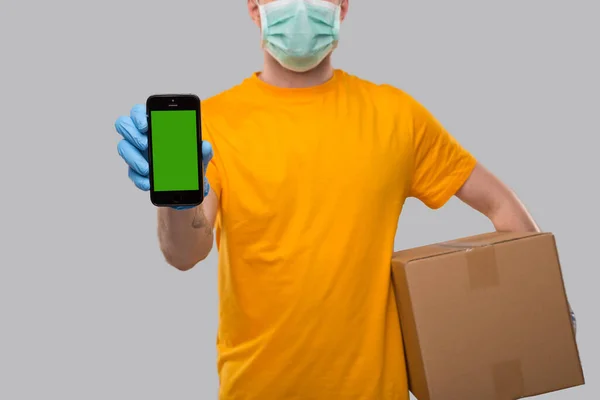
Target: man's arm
[(487, 194), (186, 236)]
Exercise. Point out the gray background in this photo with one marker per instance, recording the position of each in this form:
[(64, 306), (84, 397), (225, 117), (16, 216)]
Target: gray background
[(88, 307)]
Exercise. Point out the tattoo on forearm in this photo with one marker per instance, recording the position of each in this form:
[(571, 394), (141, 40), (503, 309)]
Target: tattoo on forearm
[(200, 222)]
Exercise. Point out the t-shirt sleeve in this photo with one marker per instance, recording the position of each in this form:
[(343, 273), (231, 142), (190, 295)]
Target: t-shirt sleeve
[(441, 163)]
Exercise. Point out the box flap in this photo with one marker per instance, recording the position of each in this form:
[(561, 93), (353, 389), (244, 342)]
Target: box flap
[(491, 238), (452, 246)]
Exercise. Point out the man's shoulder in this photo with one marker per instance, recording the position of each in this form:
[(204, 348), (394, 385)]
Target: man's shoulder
[(227, 98), (384, 91), (224, 111)]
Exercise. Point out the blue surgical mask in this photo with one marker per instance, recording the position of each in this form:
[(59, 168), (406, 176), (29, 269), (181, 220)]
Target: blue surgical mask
[(299, 34)]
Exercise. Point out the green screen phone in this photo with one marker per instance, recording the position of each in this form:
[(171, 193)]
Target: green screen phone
[(175, 150)]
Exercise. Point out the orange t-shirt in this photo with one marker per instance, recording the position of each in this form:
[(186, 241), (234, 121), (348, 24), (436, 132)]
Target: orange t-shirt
[(311, 183)]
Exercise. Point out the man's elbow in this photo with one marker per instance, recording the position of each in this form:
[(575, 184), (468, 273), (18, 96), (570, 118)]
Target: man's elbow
[(186, 263), (179, 263)]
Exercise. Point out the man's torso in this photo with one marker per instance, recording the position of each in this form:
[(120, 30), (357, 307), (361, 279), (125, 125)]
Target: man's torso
[(311, 184)]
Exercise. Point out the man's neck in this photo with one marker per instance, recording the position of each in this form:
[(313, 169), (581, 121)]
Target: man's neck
[(274, 74)]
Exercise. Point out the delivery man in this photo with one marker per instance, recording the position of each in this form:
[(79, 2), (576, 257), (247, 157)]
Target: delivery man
[(308, 168)]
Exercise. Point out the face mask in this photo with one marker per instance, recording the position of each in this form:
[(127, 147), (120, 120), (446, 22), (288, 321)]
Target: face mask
[(299, 34)]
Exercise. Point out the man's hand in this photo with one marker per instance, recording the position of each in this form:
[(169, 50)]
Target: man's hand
[(133, 148), (573, 320)]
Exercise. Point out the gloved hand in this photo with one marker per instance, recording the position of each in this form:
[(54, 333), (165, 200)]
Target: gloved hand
[(133, 148), (573, 320)]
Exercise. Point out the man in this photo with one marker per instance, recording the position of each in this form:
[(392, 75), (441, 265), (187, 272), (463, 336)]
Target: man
[(310, 171)]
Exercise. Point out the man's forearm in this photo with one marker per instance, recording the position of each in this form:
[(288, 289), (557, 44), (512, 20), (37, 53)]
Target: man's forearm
[(185, 236), (485, 193), (511, 215)]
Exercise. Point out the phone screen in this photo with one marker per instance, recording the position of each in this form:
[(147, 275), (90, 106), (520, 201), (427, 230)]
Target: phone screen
[(175, 150)]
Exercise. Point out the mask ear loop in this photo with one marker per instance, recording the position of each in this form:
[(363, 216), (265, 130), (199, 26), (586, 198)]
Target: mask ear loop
[(338, 23), (263, 19)]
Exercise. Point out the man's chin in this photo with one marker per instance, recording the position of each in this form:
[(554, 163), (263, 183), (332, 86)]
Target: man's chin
[(301, 65)]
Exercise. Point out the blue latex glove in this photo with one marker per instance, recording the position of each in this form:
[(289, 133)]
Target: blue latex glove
[(133, 148), (573, 320)]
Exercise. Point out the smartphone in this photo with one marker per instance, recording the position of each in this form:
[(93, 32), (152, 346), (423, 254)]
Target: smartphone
[(175, 150)]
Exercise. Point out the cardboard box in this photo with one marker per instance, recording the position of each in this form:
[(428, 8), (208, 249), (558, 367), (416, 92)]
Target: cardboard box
[(486, 317)]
